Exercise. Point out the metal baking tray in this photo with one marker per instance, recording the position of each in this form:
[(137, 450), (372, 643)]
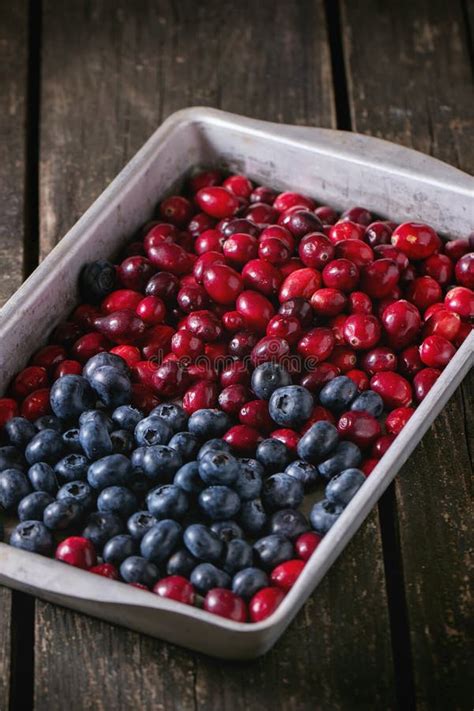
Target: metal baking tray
[(335, 167)]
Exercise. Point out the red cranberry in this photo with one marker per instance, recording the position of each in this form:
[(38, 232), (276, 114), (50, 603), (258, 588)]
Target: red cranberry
[(143, 398), (170, 258), (225, 603), (192, 297), (345, 230), (264, 603), (393, 388), (360, 379), (76, 551), (233, 321), (274, 251), (300, 283), (199, 223), (343, 358), (106, 570), (368, 466), (285, 575), (457, 248), (360, 303), (442, 323), (169, 379), (316, 250), (362, 331), (424, 381), (359, 427), (287, 327), (121, 326), (463, 333), (341, 274), (278, 232), (159, 232), (8, 409), (256, 309), (379, 278), (240, 185), (67, 367), (242, 343), (423, 292), (388, 251), (397, 419), (200, 395), (236, 372), (319, 376), (269, 348), (409, 362), (222, 283), (300, 222), (465, 271), (120, 299), (177, 210), (377, 233), (263, 194), (134, 249), (317, 344), (165, 285), (49, 356), (36, 404), (291, 266), (89, 345), (460, 300), (360, 215), (299, 308), (436, 351), (151, 310), (379, 359), (204, 179), (239, 248), (408, 275), (130, 354), (135, 272), (143, 372), (319, 413), (381, 445), (186, 345), (290, 438), (216, 353), (233, 398), (262, 276), (209, 241), (306, 544), (29, 379), (243, 439), (439, 267), (290, 199), (204, 261), (175, 587), (337, 326), (416, 240), (326, 214), (328, 302), (205, 325), (157, 337), (84, 315), (254, 413), (402, 322), (239, 224), (355, 251), (66, 333)]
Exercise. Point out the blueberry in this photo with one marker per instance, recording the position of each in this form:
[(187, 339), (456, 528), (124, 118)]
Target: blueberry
[(273, 550), (161, 541), (291, 406), (214, 444), (72, 467), (139, 523), (219, 502), (181, 563), (105, 358), (282, 491), (338, 393), (344, 486), (118, 548), (123, 441), (32, 506), (217, 467), (113, 388), (19, 431), (317, 442), (43, 478), (188, 479), (238, 555), (11, 458), (114, 470), (305, 472), (62, 513), (95, 440), (13, 487), (70, 395), (118, 500), (71, 441), (252, 517), (78, 491), (46, 446), (32, 536), (227, 530), (209, 423), (248, 581), (268, 377), (289, 523), (152, 430), (96, 280), (346, 454), (98, 416), (206, 576), (101, 527), (273, 455), (160, 463), (174, 415), (136, 459), (368, 401), (203, 543), (140, 485), (136, 569), (323, 515), (127, 417), (248, 484), (186, 444), (49, 422), (168, 501)]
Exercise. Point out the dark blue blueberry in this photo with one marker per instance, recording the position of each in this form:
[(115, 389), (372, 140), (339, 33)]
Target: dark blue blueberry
[(46, 446), (114, 470), (181, 563), (113, 388), (291, 406), (273, 455), (273, 550), (323, 515), (118, 500), (268, 377), (136, 458), (186, 444), (238, 555), (305, 472), (203, 543), (208, 423), (160, 462), (215, 444), (253, 517), (152, 430), (174, 415), (96, 280), (101, 527), (11, 458), (248, 581), (80, 492), (282, 491), (227, 530), (123, 441), (346, 454), (206, 576), (344, 486), (168, 501), (289, 523), (139, 570), (32, 536), (104, 358), (219, 502), (32, 506), (140, 485), (139, 523), (127, 417), (95, 439), (71, 441), (338, 393), (13, 487), (98, 416), (72, 467), (70, 395), (43, 478), (248, 484), (118, 548), (368, 401), (161, 541), (62, 513), (49, 422), (188, 479), (19, 431), (317, 442), (217, 467)]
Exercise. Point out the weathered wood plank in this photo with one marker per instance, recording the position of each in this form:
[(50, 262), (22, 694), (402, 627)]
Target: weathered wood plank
[(5, 645), (410, 81), (110, 75)]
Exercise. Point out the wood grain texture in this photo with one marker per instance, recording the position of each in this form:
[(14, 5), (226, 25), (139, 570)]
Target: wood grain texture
[(5, 645), (427, 105)]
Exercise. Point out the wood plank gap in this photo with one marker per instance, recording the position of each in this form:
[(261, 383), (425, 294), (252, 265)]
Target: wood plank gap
[(334, 30), (467, 7), (22, 652)]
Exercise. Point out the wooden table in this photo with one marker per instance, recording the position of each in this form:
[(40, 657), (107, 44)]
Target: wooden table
[(83, 84)]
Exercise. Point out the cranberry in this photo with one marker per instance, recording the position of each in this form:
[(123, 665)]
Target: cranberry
[(368, 466), (225, 603), (202, 394), (49, 356), (232, 321), (29, 379), (204, 179), (345, 230), (76, 551), (409, 361), (120, 299), (262, 276), (319, 413), (359, 427), (222, 283), (66, 333), (84, 315), (362, 331), (299, 308), (436, 351), (379, 359), (278, 232), (254, 413), (317, 344), (239, 224), (337, 326), (106, 570), (341, 274), (424, 291), (175, 587), (264, 603), (290, 438), (316, 250), (269, 348), (89, 345), (199, 223), (360, 303), (355, 251), (36, 404), (442, 323), (263, 194), (457, 248), (287, 327), (460, 300), (121, 326), (402, 322), (377, 233), (177, 210), (143, 398), (439, 267), (67, 367), (343, 358), (360, 378), (360, 215), (170, 258), (300, 283), (130, 354), (300, 222), (165, 285), (274, 251), (159, 232), (236, 372), (416, 240), (388, 251), (157, 338), (291, 266), (8, 409), (239, 248), (204, 261), (463, 333), (133, 249), (209, 241), (261, 214), (242, 343), (169, 379), (240, 185), (285, 575), (216, 353), (381, 445), (192, 297), (186, 345), (328, 302), (143, 372), (243, 439), (205, 325), (135, 272), (424, 381), (151, 310), (379, 278), (319, 376), (255, 308), (291, 199), (393, 388), (397, 419), (326, 214), (306, 544), (233, 398), (408, 275)]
